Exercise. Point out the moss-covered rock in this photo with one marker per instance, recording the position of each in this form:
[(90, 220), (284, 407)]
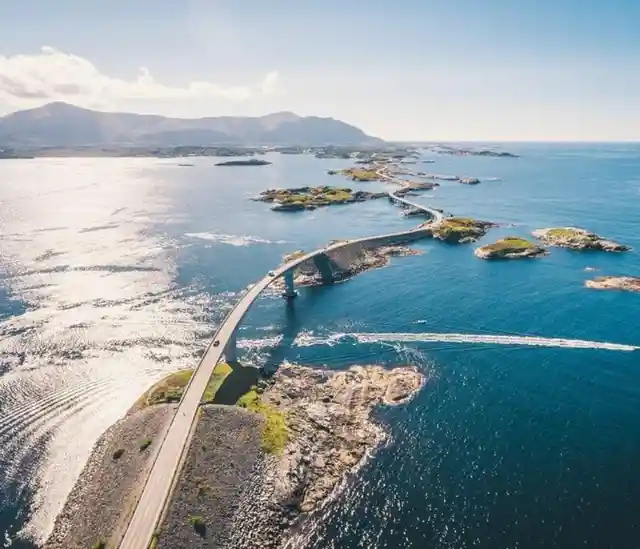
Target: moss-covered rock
[(511, 247), (577, 239), (461, 229)]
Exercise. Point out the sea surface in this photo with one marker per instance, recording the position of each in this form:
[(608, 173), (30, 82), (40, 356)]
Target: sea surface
[(114, 272)]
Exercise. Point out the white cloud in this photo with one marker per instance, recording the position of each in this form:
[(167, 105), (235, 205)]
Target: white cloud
[(52, 75)]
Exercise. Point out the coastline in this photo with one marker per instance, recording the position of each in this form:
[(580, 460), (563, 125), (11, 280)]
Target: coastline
[(229, 480)]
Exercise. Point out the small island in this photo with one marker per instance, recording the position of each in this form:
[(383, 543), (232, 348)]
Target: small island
[(345, 263), (358, 174), (461, 229), (249, 162), (310, 198), (469, 180), (626, 283), (577, 239), (511, 247)]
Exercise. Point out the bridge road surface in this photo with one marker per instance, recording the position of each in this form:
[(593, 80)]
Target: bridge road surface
[(157, 488)]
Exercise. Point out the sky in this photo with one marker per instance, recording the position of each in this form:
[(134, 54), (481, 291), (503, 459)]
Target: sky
[(498, 70)]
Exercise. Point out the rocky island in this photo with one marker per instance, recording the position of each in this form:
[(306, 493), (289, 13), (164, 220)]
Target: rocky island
[(345, 263), (461, 229), (627, 283), (329, 434), (358, 174), (511, 247), (310, 198), (249, 162), (577, 239)]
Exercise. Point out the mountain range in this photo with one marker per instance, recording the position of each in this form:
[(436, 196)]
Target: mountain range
[(63, 125)]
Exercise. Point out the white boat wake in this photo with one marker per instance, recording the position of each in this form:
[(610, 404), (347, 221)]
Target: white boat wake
[(533, 341)]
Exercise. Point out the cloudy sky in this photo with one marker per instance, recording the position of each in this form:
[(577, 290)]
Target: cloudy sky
[(408, 69)]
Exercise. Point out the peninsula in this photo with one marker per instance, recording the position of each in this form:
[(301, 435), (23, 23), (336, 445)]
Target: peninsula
[(577, 239), (258, 464), (511, 247)]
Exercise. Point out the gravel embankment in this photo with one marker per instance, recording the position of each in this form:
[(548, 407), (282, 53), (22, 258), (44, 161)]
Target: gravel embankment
[(219, 467), (108, 486)]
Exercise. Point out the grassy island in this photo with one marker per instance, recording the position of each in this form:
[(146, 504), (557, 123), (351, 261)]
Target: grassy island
[(461, 229), (511, 247), (577, 239), (310, 198), (358, 174)]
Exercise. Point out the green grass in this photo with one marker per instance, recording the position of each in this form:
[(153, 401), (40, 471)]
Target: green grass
[(360, 174), (457, 228), (145, 444), (198, 525), (170, 388), (573, 234), (564, 233), (99, 545), (275, 433), (220, 373), (510, 244), (154, 540)]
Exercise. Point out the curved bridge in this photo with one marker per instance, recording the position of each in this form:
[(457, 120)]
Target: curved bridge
[(168, 462)]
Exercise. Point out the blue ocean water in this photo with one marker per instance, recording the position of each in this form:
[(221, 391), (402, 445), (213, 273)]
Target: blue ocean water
[(115, 271)]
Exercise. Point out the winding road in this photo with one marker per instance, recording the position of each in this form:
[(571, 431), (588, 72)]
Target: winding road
[(158, 486)]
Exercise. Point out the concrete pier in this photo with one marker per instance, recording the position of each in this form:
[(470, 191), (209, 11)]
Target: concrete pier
[(289, 289), (323, 265)]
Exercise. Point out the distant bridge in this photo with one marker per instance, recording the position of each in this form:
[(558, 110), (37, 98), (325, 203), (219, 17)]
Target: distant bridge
[(158, 486)]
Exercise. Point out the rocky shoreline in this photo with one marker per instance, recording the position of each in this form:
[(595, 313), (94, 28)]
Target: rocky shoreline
[(626, 283), (577, 239), (461, 229), (511, 247), (331, 433)]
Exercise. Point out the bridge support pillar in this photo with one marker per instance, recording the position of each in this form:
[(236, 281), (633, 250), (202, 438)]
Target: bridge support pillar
[(323, 265), (231, 350), (289, 289)]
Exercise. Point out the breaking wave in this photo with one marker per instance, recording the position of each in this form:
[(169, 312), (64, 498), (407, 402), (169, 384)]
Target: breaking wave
[(233, 240)]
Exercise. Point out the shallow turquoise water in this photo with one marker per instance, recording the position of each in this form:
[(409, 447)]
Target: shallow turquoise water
[(116, 271)]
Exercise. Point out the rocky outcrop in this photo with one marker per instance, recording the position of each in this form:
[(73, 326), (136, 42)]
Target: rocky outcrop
[(511, 247), (469, 180), (461, 229), (330, 434), (577, 239), (627, 283)]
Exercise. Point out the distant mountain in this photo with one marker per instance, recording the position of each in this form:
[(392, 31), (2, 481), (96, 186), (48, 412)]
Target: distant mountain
[(64, 125)]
